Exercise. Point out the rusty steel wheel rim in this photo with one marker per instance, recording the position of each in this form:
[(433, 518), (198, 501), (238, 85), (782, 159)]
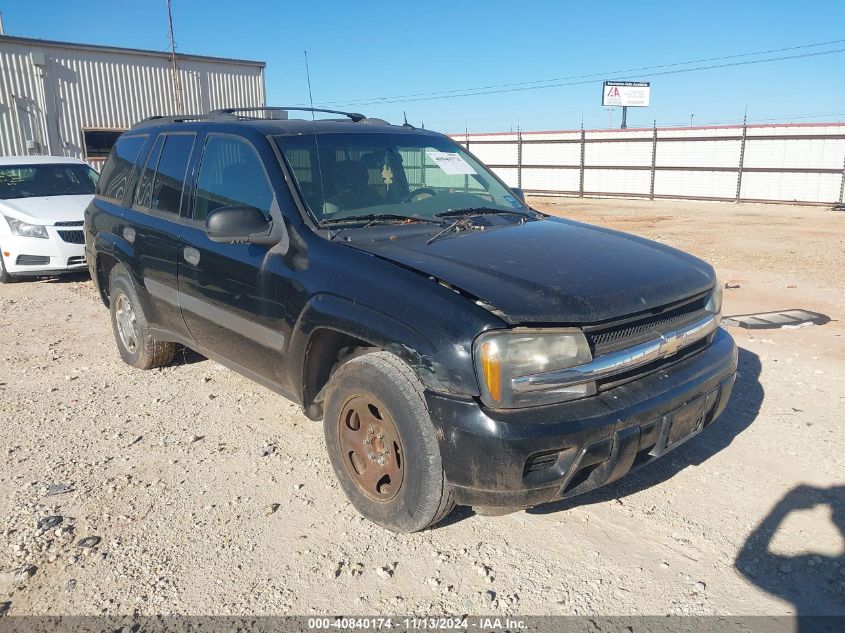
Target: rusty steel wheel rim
[(372, 452)]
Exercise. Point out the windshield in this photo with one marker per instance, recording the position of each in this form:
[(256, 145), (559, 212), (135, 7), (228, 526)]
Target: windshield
[(375, 174), (31, 181)]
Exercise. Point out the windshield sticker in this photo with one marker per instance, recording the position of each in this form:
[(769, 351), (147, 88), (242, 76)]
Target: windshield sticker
[(451, 163), (512, 201)]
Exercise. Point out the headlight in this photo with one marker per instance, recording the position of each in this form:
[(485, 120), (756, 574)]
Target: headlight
[(714, 303), (26, 230), (502, 355)]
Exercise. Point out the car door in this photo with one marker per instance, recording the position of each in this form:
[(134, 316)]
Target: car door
[(233, 295), (152, 224)]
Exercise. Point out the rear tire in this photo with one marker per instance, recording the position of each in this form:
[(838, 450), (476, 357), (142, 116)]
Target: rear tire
[(5, 277), (394, 474), (131, 330)]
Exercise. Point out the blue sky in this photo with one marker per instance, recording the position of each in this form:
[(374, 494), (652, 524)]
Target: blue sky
[(364, 49)]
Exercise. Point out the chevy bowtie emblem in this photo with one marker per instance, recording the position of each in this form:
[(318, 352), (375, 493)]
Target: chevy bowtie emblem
[(670, 344)]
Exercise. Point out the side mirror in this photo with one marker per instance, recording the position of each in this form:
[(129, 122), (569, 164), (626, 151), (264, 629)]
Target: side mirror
[(240, 225), (519, 193)]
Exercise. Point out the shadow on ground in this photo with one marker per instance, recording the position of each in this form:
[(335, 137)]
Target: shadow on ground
[(64, 278), (812, 582), (187, 356)]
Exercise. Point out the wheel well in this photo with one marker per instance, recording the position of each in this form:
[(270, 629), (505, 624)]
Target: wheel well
[(104, 265), (326, 351)]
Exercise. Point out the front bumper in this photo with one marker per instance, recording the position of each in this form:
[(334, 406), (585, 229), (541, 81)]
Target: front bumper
[(522, 458), (39, 256)]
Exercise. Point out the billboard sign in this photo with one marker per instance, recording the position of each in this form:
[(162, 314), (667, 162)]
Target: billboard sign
[(626, 93)]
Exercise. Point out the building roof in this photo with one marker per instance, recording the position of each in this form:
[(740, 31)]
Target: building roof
[(30, 41), (6, 161)]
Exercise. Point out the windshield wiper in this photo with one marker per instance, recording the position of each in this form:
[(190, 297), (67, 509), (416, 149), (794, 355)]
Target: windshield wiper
[(377, 218), (460, 223), (479, 211), (463, 221)]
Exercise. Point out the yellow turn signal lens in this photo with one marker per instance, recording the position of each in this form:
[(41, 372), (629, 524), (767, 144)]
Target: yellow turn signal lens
[(491, 367)]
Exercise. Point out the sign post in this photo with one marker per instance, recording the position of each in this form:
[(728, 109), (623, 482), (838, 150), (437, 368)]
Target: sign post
[(626, 94)]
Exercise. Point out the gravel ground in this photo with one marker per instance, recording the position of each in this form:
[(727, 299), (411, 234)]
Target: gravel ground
[(211, 495)]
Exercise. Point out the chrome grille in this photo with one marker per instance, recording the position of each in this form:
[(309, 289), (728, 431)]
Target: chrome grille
[(610, 337), (663, 363)]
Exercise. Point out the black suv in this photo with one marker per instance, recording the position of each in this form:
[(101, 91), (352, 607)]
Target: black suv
[(459, 346)]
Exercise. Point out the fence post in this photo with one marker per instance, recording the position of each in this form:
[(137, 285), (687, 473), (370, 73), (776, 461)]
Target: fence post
[(518, 157), (653, 161), (842, 185), (741, 158), (422, 166), (581, 180), (466, 178)]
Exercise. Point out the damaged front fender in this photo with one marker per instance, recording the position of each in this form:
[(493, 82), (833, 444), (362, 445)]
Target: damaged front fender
[(442, 365)]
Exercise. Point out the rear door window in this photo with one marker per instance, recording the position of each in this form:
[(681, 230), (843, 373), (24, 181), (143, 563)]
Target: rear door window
[(163, 177), (114, 178), (231, 174), (144, 188), (170, 175)]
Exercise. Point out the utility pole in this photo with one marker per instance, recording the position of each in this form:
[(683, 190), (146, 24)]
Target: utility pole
[(691, 117), (174, 69)]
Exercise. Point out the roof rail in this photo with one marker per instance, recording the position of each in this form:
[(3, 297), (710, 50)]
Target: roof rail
[(181, 118), (355, 116)]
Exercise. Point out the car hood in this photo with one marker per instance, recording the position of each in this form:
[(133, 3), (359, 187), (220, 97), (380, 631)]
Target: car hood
[(552, 270), (47, 209)]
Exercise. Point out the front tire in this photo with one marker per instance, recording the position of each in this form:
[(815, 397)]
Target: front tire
[(131, 330), (382, 444)]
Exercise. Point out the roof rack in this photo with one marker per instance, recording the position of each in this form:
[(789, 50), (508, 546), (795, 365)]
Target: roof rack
[(355, 116), (182, 118)]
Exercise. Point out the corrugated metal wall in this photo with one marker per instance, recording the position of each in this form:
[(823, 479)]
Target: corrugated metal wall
[(86, 88), (779, 163)]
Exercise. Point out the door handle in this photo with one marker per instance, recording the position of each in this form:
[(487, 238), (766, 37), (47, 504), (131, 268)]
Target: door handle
[(191, 255)]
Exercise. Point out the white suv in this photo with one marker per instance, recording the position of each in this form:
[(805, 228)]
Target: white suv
[(42, 202)]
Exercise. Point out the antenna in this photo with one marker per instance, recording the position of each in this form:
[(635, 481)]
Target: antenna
[(316, 143), (177, 83)]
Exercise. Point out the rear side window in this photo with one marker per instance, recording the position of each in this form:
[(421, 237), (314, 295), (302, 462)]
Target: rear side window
[(118, 168), (170, 175), (231, 174), (160, 185), (144, 188)]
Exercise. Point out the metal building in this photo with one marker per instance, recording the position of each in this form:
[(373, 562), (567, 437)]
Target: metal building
[(65, 99)]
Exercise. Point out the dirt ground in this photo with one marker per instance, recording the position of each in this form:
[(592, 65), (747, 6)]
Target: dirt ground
[(212, 495)]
